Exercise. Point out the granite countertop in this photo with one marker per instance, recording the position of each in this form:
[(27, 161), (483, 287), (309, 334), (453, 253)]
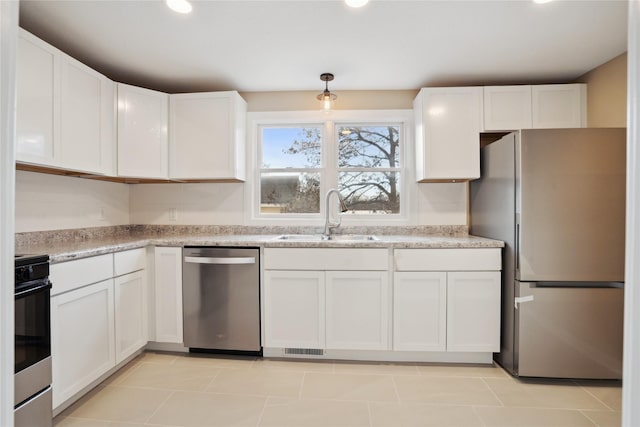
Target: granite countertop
[(64, 248)]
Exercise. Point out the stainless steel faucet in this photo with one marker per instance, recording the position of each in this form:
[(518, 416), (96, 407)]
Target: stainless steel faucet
[(328, 225)]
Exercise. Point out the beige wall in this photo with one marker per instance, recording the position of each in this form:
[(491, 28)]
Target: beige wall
[(347, 100), (607, 93)]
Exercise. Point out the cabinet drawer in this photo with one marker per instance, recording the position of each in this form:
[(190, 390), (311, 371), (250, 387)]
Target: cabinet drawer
[(447, 259), (74, 274), (326, 259), (128, 261)]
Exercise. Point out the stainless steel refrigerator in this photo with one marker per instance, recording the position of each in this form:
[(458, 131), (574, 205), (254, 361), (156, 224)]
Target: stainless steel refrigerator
[(556, 197)]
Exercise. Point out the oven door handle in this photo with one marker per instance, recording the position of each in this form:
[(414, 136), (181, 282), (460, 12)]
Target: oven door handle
[(33, 289), (220, 260)]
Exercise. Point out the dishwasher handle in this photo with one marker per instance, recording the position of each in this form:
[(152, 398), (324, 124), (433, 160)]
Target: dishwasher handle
[(219, 260)]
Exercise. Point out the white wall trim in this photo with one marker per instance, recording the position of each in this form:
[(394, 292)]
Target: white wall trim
[(631, 373), (409, 186), (8, 40)]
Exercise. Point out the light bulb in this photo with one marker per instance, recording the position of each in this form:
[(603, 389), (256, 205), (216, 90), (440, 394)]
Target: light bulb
[(180, 6), (326, 102), (356, 3)]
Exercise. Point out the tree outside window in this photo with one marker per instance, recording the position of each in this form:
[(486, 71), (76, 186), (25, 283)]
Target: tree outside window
[(369, 169)]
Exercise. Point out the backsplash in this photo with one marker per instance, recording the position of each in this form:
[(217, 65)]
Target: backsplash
[(50, 202)]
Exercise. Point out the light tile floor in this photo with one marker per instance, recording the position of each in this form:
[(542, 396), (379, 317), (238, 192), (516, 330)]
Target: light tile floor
[(196, 391)]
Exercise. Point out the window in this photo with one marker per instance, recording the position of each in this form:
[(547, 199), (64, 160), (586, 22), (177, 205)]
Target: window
[(299, 161), (369, 168), (290, 171)]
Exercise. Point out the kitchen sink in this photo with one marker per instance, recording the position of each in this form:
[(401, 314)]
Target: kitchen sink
[(305, 237), (353, 237), (333, 237)]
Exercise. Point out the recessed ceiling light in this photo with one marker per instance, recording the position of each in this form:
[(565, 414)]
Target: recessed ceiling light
[(180, 6), (356, 3), (542, 1)]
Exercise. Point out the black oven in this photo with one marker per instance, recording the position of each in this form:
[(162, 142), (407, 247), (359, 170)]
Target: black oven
[(32, 341)]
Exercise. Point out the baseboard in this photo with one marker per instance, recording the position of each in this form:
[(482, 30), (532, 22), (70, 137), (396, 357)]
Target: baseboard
[(384, 356)]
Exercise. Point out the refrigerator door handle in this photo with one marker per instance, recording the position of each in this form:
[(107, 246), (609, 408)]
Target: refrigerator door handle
[(579, 285), (520, 300), (517, 244)]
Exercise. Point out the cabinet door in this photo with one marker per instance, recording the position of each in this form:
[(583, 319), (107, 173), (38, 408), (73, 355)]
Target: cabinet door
[(87, 119), (130, 314), (507, 107), (294, 309), (559, 106), (357, 310), (143, 146), (473, 311), (82, 332), (448, 124), (168, 294), (36, 95), (206, 136), (420, 311)]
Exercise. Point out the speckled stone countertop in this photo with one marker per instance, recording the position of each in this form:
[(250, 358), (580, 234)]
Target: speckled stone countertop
[(65, 245)]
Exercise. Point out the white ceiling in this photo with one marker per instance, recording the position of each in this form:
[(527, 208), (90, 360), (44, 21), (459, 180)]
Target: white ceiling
[(285, 45)]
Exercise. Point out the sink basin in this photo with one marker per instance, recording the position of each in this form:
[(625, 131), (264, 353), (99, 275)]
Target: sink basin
[(333, 237), (353, 237), (307, 237)]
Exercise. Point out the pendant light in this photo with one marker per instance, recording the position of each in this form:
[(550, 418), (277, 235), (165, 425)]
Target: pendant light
[(326, 97), (356, 3), (180, 6)]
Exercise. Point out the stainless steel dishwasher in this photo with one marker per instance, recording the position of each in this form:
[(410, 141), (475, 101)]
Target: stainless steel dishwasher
[(221, 299)]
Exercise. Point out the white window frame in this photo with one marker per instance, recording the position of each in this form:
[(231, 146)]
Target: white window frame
[(329, 168)]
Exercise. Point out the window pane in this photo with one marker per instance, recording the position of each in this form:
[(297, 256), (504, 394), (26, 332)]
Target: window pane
[(289, 193), (368, 146), (291, 147), (370, 192)]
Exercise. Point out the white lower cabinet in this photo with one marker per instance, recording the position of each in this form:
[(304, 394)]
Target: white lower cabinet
[(357, 310), (341, 310), (98, 318), (83, 344), (168, 294), (437, 309), (131, 314), (326, 298), (420, 311), (473, 311), (447, 311), (294, 307)]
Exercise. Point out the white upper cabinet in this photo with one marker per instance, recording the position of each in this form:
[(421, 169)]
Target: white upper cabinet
[(87, 119), (37, 68), (507, 107), (448, 123), (207, 136), (559, 106), (535, 107), (143, 144), (65, 111)]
